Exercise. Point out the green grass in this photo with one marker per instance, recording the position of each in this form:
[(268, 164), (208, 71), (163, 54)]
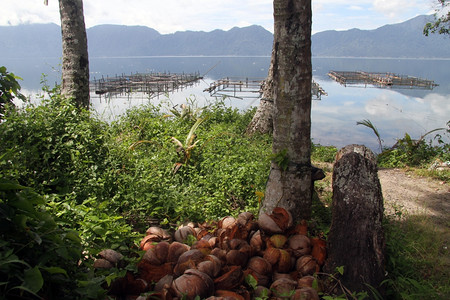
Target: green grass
[(418, 261), (443, 175)]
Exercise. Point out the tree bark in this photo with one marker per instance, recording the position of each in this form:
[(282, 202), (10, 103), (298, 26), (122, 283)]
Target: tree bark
[(262, 121), (356, 238), (289, 184), (75, 61)]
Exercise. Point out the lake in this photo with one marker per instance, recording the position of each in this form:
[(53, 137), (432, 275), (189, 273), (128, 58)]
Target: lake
[(393, 111)]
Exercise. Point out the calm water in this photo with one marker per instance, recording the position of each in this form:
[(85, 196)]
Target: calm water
[(393, 111)]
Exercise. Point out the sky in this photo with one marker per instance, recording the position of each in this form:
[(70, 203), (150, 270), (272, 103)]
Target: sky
[(168, 16)]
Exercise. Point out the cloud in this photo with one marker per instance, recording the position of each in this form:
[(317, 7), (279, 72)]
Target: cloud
[(169, 16), (439, 104), (355, 7), (386, 104), (165, 16), (174, 15), (23, 12), (395, 114), (396, 8)]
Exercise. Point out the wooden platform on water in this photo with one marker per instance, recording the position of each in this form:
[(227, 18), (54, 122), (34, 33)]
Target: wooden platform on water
[(153, 84), (380, 79), (250, 88)]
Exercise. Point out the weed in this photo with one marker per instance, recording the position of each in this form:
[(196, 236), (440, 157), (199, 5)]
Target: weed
[(323, 153), (416, 258)]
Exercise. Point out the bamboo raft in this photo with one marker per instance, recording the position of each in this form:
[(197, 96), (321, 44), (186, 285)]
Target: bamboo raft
[(380, 79), (250, 88), (153, 84)]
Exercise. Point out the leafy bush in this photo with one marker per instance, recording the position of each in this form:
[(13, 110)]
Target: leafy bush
[(412, 153), (9, 89), (224, 170), (37, 257), (56, 148), (59, 150)]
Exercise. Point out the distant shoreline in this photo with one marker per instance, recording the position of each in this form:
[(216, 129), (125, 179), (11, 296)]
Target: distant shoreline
[(236, 56), (386, 58)]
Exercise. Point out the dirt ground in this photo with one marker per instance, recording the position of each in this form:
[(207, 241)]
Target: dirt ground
[(415, 195)]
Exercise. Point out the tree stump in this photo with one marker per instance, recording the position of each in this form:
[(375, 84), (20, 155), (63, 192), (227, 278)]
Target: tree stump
[(356, 238)]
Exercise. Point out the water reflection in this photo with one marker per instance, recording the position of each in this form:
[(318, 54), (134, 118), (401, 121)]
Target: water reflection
[(394, 114), (393, 111)]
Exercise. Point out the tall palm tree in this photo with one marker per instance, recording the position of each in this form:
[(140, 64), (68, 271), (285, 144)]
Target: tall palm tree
[(75, 61), (289, 183)]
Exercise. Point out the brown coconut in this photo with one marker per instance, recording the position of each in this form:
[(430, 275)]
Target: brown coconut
[(193, 283)]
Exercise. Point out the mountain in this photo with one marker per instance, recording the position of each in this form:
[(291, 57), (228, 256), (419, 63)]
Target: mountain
[(43, 40), (30, 40), (117, 40), (252, 40), (396, 40)]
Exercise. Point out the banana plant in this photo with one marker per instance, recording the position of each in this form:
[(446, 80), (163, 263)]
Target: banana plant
[(187, 111), (185, 150)]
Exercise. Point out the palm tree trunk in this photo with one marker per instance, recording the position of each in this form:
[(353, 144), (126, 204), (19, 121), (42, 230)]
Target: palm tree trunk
[(262, 121), (75, 64), (289, 186)]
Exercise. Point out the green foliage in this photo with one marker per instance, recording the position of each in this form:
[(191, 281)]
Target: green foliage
[(441, 22), (414, 153), (370, 125), (417, 258), (323, 153), (336, 286), (9, 89), (55, 148), (188, 147), (225, 167), (281, 159), (190, 110), (37, 256)]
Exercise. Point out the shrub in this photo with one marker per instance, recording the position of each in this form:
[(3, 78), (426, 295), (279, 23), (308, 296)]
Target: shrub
[(412, 153), (56, 148), (9, 89), (224, 170), (37, 257)]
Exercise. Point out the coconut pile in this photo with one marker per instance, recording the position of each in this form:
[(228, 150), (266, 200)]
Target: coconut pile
[(235, 258)]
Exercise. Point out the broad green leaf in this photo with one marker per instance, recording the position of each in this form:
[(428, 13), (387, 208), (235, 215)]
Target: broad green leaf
[(12, 261), (23, 205), (251, 281), (73, 236), (55, 270), (21, 221), (24, 288), (33, 279), (315, 284), (99, 230), (7, 185), (63, 253), (36, 237)]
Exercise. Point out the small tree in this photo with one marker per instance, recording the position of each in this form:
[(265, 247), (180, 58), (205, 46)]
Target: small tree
[(441, 22)]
